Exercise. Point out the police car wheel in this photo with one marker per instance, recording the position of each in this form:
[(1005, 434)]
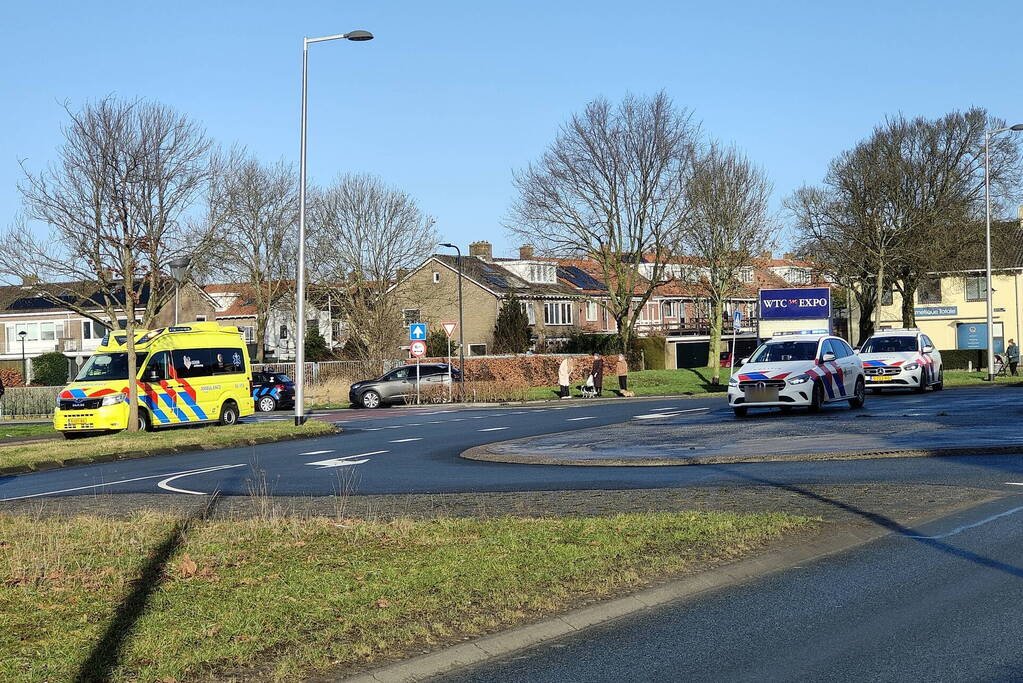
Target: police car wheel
[(924, 381), (816, 398), (267, 404), (370, 399), (859, 395), (740, 411), (940, 384), (229, 414)]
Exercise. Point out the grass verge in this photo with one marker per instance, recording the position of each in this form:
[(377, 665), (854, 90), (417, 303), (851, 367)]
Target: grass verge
[(11, 430), (160, 441), (962, 378), (151, 598)]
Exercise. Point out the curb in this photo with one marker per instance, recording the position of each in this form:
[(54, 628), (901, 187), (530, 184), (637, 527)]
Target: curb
[(44, 465), (519, 638)]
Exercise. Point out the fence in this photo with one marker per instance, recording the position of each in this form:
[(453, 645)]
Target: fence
[(333, 369), (22, 402)]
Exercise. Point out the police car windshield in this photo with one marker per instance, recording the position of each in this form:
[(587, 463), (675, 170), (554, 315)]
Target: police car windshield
[(901, 344), (104, 367), (780, 352)]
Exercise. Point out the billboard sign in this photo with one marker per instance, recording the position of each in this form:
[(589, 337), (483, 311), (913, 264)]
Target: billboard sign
[(795, 304)]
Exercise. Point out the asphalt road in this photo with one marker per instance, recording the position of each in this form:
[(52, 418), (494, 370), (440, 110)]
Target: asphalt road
[(939, 603), (416, 451)]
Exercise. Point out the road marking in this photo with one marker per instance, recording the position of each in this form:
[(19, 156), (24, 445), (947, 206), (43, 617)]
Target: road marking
[(415, 438), (394, 427), (651, 416), (959, 530), (345, 461), (317, 452), (491, 429), (479, 417), (372, 429), (654, 410), (434, 422), (110, 483), (414, 424), (165, 484), (456, 419), (573, 419)]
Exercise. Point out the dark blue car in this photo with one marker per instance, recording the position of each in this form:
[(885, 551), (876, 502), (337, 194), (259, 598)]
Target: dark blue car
[(272, 390)]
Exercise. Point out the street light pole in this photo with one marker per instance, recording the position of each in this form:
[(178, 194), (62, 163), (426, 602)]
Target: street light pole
[(461, 327), (987, 246), (300, 275), (24, 362)]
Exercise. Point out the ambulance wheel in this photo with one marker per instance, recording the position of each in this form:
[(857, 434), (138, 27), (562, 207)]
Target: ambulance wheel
[(924, 381), (859, 395), (145, 422), (229, 414), (267, 404), (816, 398), (740, 411)]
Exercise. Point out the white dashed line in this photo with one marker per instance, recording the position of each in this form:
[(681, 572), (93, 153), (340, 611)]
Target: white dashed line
[(373, 429), (492, 429), (414, 424), (316, 452), (417, 438), (456, 419), (654, 410), (434, 422), (573, 419)]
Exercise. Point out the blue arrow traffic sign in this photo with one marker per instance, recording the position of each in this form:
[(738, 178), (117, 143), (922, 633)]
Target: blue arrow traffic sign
[(417, 331)]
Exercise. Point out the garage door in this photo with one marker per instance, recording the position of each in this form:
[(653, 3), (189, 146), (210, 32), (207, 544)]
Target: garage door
[(691, 354)]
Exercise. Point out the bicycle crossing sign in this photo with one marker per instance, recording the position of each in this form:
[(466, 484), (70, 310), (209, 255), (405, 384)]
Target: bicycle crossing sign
[(417, 331)]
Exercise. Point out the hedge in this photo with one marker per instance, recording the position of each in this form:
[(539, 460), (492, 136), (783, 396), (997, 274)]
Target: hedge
[(653, 352), (50, 369), (959, 359)]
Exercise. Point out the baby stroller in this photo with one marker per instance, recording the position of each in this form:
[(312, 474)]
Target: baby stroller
[(588, 389), (1000, 366)]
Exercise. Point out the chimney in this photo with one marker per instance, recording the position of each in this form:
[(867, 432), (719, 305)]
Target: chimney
[(525, 252), (482, 250), (766, 255), (789, 256)]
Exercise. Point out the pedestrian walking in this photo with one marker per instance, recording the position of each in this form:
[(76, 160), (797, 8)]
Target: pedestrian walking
[(1012, 351), (622, 370), (564, 377), (598, 373)]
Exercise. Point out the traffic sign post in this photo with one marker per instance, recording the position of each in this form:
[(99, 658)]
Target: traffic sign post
[(417, 349), (449, 329), (736, 322)]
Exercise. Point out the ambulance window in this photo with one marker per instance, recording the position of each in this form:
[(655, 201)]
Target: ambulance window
[(189, 363), (227, 361), (158, 369)]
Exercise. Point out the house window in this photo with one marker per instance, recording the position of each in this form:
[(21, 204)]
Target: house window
[(93, 330), (527, 306), (284, 332), (591, 311), (477, 349), (410, 316), (929, 291), (976, 288), (651, 313), (746, 274), (886, 297), (248, 333), (200, 318), (436, 277), (557, 313)]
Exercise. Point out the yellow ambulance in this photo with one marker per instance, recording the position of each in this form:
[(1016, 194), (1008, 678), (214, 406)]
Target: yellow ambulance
[(191, 373)]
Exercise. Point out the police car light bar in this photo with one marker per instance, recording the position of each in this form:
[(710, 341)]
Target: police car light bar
[(786, 334)]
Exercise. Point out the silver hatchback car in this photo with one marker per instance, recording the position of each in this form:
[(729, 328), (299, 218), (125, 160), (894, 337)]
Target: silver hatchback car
[(399, 385)]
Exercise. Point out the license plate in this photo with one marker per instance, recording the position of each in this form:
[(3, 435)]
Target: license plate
[(766, 395), (880, 378), (78, 421)]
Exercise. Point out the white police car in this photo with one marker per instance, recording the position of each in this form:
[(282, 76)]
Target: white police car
[(797, 370), (901, 359)]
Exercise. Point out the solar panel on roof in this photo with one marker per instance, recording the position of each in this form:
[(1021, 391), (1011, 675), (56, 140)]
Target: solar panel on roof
[(496, 280), (580, 278)]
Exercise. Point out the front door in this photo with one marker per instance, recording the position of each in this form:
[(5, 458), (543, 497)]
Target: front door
[(155, 392)]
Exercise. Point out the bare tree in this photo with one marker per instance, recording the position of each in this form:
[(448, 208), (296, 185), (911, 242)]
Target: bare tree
[(611, 188), (255, 207), (365, 233), (729, 228), (116, 204)]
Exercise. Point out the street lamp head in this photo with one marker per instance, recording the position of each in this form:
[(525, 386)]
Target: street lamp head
[(23, 334), (448, 245), (359, 36), (179, 267), (1018, 126)]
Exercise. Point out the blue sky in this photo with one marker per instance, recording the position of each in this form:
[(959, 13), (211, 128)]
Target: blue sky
[(453, 96)]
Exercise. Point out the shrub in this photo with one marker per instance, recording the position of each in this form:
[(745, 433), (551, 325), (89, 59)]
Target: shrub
[(959, 359), (653, 353), (511, 333), (316, 348), (50, 370), (437, 345)]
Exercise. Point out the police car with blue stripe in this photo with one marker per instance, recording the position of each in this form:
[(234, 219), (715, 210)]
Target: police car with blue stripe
[(272, 391)]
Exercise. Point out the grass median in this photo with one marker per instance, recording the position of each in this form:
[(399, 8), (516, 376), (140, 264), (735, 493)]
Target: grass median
[(691, 381), (158, 442), (156, 597), (14, 430)]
